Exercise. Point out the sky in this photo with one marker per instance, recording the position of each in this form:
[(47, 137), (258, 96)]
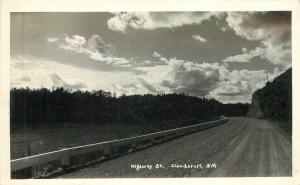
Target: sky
[(221, 55)]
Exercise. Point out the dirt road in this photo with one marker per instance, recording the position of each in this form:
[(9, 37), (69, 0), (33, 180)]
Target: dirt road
[(241, 147)]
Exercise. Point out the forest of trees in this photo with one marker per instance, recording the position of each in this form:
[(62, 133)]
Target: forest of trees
[(275, 99), (57, 107)]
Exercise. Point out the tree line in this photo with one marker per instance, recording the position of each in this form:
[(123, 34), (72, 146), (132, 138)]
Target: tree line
[(58, 107), (275, 99)]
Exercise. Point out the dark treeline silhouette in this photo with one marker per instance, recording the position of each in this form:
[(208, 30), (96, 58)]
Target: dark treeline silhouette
[(275, 100), (58, 107)]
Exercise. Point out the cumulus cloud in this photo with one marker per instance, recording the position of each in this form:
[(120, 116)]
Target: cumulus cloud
[(272, 26), (150, 87), (75, 43), (156, 54), (153, 20), (59, 82), (95, 48), (182, 76), (121, 62), (273, 29), (246, 56), (97, 44), (280, 54), (191, 78), (212, 80), (238, 85), (199, 38), (52, 39), (130, 88)]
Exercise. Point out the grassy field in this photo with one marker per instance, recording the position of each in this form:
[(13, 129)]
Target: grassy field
[(26, 142)]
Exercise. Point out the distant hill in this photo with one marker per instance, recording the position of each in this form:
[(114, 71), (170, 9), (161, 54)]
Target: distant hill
[(274, 101)]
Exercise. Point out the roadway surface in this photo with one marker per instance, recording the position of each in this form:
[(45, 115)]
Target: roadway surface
[(241, 147)]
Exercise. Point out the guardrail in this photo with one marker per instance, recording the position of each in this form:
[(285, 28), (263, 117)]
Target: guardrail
[(56, 161)]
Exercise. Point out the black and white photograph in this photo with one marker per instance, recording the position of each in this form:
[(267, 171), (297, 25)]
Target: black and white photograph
[(151, 94)]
